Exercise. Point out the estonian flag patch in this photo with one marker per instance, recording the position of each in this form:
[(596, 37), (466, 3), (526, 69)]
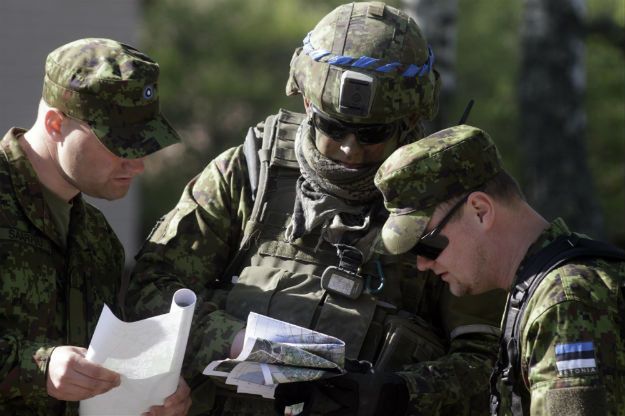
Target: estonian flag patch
[(576, 358)]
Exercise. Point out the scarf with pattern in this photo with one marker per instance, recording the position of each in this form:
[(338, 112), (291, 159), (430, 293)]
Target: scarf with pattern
[(340, 199)]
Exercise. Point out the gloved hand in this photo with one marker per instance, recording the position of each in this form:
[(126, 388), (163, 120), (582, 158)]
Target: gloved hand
[(368, 393), (361, 392), (288, 394)]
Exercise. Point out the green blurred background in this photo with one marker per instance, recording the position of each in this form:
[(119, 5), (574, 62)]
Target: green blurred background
[(224, 64)]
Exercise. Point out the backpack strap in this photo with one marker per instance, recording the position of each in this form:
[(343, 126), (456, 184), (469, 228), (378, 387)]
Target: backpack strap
[(277, 150), (250, 150), (561, 251), (264, 147)]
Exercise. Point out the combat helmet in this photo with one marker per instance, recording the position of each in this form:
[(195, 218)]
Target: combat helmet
[(366, 63)]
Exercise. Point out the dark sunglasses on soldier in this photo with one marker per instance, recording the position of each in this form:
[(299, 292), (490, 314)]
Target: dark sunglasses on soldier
[(365, 133), (432, 244)]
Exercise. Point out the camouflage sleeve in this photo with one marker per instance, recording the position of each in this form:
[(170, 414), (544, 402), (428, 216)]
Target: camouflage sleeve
[(573, 351), (23, 356), (457, 383), (190, 247), (23, 367)]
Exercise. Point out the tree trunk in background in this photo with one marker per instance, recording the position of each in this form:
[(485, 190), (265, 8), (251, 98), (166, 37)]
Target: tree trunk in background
[(558, 181), (437, 20)]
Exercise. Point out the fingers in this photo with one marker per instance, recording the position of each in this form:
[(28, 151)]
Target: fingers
[(71, 377), (178, 404), (96, 372), (237, 344), (69, 391), (181, 394)]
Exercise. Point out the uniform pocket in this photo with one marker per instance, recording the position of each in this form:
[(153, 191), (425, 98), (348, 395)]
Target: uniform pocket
[(291, 297)]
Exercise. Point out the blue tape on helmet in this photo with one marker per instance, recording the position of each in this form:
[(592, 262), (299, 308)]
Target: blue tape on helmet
[(340, 60), (317, 55), (388, 67), (364, 61), (411, 71)]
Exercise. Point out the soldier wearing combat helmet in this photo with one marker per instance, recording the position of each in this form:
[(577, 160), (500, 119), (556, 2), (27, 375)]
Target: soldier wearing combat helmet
[(562, 350), (284, 224), (98, 118)]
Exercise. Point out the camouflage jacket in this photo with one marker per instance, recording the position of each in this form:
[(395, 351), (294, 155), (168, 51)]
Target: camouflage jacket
[(35, 287), (572, 341), (192, 246)]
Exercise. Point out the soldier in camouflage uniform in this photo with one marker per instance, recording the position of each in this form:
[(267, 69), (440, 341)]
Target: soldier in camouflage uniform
[(563, 348), (60, 260), (284, 224)]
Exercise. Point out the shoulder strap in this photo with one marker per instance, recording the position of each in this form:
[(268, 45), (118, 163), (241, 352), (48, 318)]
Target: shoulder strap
[(559, 252), (276, 149), (250, 150)]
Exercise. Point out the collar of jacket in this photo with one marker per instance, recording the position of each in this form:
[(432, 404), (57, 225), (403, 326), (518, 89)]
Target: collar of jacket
[(27, 188)]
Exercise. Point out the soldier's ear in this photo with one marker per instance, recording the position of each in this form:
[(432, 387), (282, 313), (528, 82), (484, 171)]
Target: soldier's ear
[(53, 123), (482, 209)]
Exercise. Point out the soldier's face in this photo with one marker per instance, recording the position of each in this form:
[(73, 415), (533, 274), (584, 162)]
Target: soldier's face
[(348, 150), (463, 264), (88, 166), (351, 153)]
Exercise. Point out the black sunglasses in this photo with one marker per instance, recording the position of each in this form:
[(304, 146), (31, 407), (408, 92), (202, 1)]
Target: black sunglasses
[(365, 133), (432, 244)]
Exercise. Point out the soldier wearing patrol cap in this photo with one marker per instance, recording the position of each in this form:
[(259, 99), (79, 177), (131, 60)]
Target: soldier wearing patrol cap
[(60, 260), (284, 224), (562, 350)]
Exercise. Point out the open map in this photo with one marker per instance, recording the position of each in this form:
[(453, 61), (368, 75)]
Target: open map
[(277, 352)]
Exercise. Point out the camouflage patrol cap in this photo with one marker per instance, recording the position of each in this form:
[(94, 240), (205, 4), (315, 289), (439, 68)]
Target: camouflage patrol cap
[(374, 41), (417, 177), (114, 89)]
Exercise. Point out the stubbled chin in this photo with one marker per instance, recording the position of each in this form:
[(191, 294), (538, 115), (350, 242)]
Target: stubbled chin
[(113, 193), (459, 290), (114, 197)]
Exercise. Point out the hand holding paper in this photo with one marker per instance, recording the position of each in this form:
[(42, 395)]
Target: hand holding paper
[(72, 377), (148, 355)]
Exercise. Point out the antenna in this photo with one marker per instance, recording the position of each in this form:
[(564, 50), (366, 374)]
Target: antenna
[(467, 110)]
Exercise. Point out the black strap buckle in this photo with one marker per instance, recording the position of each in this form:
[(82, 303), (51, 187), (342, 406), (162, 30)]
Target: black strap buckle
[(350, 258)]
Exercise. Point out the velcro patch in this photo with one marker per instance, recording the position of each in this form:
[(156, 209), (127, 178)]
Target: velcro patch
[(576, 358)]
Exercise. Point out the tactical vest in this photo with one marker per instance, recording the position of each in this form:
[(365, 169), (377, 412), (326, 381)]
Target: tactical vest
[(283, 280), (508, 367)]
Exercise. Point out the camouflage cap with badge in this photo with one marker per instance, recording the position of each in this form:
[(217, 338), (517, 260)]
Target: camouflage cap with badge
[(417, 177), (114, 89)]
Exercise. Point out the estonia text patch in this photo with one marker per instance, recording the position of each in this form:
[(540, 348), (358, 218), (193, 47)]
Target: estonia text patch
[(576, 358)]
